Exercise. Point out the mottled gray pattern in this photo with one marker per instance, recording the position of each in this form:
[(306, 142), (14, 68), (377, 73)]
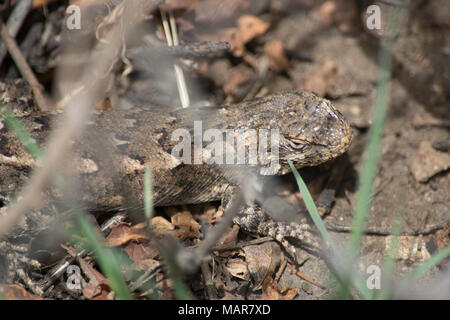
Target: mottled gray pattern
[(118, 145)]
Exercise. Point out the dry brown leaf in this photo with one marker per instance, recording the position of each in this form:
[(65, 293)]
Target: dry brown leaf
[(187, 226), (262, 261), (161, 227), (207, 213), (98, 287), (277, 59), (325, 77), (105, 104), (442, 237), (238, 268), (248, 28), (148, 264), (140, 251), (123, 233), (240, 75), (40, 3), (442, 240), (97, 292), (17, 292), (93, 275), (230, 237), (274, 291)]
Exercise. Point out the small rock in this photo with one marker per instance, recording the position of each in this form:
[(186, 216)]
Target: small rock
[(409, 248), (425, 162)]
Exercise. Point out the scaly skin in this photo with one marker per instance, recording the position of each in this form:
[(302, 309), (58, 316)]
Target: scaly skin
[(116, 147)]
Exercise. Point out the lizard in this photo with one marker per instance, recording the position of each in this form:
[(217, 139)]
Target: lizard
[(117, 146)]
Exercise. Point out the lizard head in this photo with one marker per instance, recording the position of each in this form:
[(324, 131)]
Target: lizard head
[(311, 130)]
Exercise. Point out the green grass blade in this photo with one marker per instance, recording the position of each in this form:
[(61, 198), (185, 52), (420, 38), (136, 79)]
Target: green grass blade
[(180, 288), (427, 265), (371, 158), (389, 261), (315, 216), (311, 206), (107, 260), (181, 292), (20, 131)]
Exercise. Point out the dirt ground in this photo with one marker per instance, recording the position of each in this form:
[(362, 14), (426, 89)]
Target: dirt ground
[(325, 46), (419, 89)]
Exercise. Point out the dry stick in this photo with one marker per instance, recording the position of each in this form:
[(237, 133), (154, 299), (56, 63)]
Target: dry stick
[(422, 225), (214, 235), (58, 270), (15, 21), (301, 275), (189, 261), (75, 116), (372, 232), (280, 271), (26, 46), (23, 66), (227, 247), (320, 295), (207, 278)]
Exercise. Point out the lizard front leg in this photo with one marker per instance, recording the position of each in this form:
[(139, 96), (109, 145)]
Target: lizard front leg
[(252, 218)]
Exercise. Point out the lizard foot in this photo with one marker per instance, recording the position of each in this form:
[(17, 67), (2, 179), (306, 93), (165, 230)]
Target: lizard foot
[(253, 219), (15, 263)]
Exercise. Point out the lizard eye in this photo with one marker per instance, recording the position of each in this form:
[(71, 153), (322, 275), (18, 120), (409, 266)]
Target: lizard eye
[(297, 144)]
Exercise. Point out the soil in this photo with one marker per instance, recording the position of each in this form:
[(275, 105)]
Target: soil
[(330, 50), (420, 84)]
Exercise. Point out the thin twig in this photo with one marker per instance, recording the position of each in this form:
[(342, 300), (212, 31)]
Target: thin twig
[(240, 245), (26, 46), (301, 275), (422, 225), (325, 291), (57, 271), (207, 278), (280, 271), (189, 260), (15, 21), (214, 235), (368, 231), (23, 66)]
